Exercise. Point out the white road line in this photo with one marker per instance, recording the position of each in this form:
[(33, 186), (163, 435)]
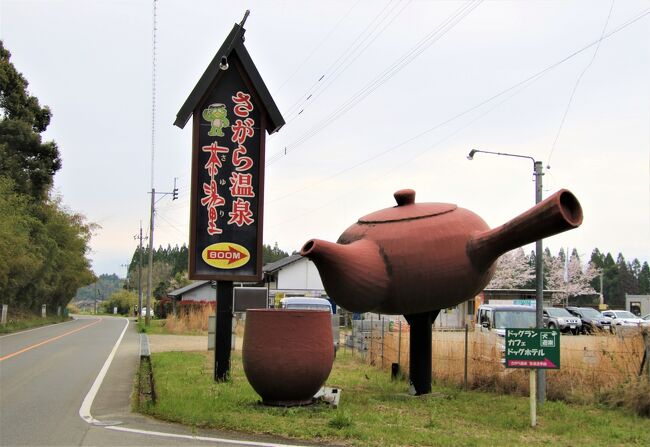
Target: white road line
[(84, 412), (201, 438)]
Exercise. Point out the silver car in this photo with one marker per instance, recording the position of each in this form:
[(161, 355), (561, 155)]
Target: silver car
[(560, 318)]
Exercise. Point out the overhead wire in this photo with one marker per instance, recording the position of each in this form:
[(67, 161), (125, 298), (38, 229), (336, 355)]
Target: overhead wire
[(334, 76), (344, 56), (397, 65), (317, 47), (393, 167), (388, 73), (575, 87), (512, 88)]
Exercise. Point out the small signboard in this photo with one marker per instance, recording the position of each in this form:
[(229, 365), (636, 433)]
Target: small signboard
[(533, 348), (250, 298)]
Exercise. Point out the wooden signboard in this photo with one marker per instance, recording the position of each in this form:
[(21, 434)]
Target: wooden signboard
[(232, 112)]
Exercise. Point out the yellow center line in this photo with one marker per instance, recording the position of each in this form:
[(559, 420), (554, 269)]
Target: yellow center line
[(29, 348)]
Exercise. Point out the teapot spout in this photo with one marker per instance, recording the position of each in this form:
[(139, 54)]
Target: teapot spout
[(354, 275), (558, 213)]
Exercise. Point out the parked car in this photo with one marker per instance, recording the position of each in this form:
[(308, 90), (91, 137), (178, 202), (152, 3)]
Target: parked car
[(561, 319), (646, 317), (143, 313), (623, 318), (592, 320), (499, 317)]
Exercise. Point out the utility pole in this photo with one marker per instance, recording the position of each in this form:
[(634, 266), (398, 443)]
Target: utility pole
[(174, 194), (602, 297), (539, 289), (126, 280), (139, 271), (540, 375), (150, 271)]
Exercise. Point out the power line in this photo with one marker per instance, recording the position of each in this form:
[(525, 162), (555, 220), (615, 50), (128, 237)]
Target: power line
[(388, 73), (522, 84), (400, 63), (317, 47), (336, 64), (349, 59), (392, 168), (575, 87)]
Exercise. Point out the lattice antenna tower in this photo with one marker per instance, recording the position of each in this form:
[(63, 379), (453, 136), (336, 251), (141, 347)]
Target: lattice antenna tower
[(153, 90)]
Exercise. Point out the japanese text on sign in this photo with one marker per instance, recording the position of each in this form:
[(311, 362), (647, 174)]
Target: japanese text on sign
[(241, 181), (532, 348)]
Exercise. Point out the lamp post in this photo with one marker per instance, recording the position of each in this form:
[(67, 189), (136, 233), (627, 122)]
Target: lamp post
[(539, 265)]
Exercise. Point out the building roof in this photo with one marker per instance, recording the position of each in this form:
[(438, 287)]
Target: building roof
[(187, 288), (234, 43), (277, 265)]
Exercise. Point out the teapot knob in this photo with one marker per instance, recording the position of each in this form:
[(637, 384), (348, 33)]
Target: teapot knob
[(405, 197)]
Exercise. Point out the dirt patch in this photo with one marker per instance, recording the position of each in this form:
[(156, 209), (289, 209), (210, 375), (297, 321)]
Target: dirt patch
[(164, 343)]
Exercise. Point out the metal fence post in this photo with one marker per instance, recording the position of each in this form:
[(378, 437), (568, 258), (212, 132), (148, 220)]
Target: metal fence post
[(371, 336), (399, 342), (354, 340), (646, 342), (466, 343), (382, 342)]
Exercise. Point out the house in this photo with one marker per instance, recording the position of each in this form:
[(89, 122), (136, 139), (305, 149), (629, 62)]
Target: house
[(639, 305), (290, 276), (293, 276), (196, 291)]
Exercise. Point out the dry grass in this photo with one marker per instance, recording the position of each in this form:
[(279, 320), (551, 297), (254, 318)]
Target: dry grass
[(591, 366), (191, 322)]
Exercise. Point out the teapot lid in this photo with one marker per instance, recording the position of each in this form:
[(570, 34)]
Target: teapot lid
[(407, 209)]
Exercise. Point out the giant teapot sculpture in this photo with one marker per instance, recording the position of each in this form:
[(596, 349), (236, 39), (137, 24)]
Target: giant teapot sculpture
[(420, 257)]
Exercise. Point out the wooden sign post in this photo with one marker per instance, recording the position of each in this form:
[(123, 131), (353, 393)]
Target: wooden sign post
[(232, 111)]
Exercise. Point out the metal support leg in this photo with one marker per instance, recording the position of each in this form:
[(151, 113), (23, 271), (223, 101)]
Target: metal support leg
[(420, 351)]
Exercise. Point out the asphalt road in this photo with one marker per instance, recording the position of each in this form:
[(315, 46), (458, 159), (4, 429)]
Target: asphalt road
[(70, 384)]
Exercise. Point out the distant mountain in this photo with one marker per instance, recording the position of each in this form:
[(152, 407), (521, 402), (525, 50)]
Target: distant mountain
[(100, 290)]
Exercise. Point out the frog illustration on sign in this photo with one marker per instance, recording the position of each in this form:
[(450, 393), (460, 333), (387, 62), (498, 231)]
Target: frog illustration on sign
[(215, 114)]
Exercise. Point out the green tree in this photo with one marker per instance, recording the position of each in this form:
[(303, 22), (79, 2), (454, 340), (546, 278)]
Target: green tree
[(24, 157), (644, 279), (272, 254), (44, 246), (17, 260), (124, 300)]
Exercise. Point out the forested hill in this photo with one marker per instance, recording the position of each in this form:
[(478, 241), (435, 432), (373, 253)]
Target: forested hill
[(102, 289)]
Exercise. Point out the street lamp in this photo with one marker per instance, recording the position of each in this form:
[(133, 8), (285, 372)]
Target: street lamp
[(539, 265)]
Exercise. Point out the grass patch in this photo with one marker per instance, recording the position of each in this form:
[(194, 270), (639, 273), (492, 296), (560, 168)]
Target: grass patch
[(155, 326), (22, 322), (375, 411)]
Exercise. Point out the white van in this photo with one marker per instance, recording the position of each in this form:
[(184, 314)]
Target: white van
[(309, 303), (304, 302)]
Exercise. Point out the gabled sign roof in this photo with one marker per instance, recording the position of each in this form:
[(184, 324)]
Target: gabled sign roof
[(233, 43)]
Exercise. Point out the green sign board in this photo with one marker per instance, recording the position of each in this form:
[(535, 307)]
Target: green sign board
[(533, 348)]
